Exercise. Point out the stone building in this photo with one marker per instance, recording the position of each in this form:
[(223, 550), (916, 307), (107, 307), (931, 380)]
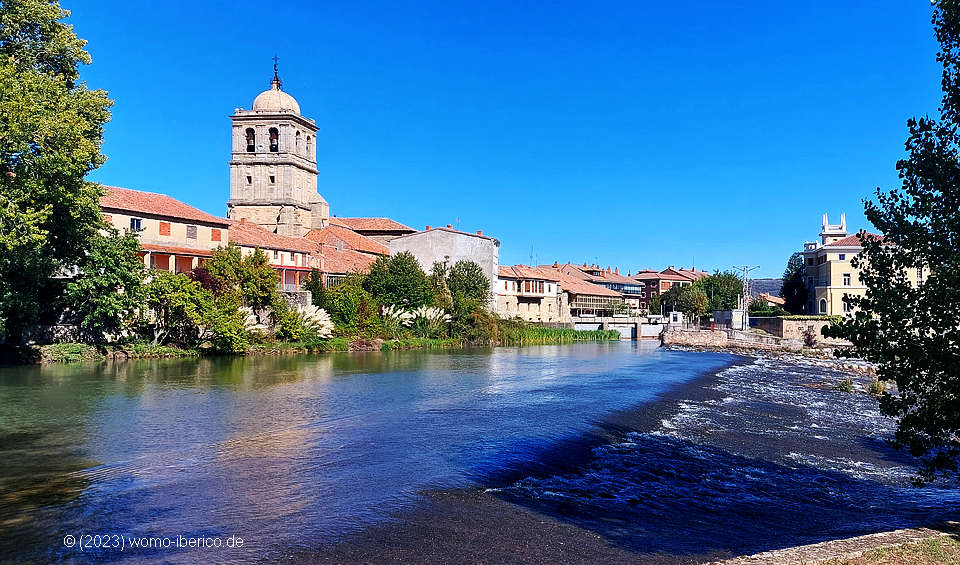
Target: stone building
[(273, 168), (447, 244), (530, 293)]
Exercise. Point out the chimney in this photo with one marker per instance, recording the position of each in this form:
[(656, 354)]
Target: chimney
[(609, 270), (616, 271), (449, 226), (243, 220), (428, 228), (479, 232), (556, 265)]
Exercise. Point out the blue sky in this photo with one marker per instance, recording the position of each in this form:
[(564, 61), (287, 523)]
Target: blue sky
[(632, 134)]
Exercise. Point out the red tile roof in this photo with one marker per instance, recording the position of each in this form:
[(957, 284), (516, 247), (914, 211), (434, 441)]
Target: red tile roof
[(334, 236), (137, 201), (252, 235), (853, 240), (526, 272), (578, 286), (771, 299), (371, 224), (343, 262)]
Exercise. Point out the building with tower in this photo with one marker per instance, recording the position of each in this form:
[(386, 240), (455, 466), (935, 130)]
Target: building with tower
[(273, 166)]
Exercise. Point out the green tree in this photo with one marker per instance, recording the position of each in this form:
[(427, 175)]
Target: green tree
[(352, 308), (693, 302), (794, 290), (177, 307), (315, 285), (670, 300), (467, 280), (399, 280), (723, 290), (50, 139), (912, 332), (251, 278), (106, 294), (653, 306)]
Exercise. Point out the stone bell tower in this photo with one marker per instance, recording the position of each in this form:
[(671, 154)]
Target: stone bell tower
[(273, 168)]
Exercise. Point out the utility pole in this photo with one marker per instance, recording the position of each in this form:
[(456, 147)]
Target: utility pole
[(746, 282)]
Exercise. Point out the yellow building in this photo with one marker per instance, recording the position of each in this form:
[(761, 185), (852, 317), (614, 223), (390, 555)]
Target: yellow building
[(829, 273)]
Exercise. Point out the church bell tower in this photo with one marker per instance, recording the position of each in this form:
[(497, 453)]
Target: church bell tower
[(273, 168)]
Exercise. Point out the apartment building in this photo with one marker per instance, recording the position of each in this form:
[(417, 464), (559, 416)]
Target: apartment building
[(530, 293)]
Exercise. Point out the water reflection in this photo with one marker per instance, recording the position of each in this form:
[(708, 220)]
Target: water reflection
[(290, 449)]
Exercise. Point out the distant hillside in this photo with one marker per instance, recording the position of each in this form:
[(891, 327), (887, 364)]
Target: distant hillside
[(759, 286)]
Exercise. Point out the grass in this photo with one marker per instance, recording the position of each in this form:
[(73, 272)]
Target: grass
[(516, 334), (942, 549), (69, 353), (877, 387), (146, 349), (421, 343)]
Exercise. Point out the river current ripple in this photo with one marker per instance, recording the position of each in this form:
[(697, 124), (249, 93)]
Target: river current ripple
[(769, 456)]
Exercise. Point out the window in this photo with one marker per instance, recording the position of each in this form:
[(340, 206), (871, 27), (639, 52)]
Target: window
[(526, 286), (276, 254), (822, 259), (191, 232), (843, 256), (823, 306), (249, 179), (273, 179), (809, 261), (164, 228), (136, 224), (299, 144), (309, 146), (251, 141), (846, 279), (214, 234), (505, 285), (274, 140)]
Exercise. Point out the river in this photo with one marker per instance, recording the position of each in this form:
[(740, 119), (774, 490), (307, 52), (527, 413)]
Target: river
[(286, 452)]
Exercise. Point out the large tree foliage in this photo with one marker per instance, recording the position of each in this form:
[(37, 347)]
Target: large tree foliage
[(793, 289), (107, 293), (249, 279), (467, 280), (400, 280), (723, 290), (50, 139), (912, 332)]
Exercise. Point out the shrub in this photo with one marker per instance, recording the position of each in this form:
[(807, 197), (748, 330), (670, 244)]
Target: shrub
[(845, 385), (877, 387), (429, 322), (352, 309)]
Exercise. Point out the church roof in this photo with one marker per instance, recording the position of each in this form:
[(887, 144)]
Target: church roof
[(371, 224), (342, 262), (334, 235), (140, 202), (252, 235), (275, 100)]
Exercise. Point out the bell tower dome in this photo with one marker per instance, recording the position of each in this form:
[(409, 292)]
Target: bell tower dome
[(273, 165)]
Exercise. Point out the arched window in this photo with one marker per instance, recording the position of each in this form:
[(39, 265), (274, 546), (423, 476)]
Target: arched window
[(299, 142), (274, 140), (309, 146), (823, 306), (251, 140)]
